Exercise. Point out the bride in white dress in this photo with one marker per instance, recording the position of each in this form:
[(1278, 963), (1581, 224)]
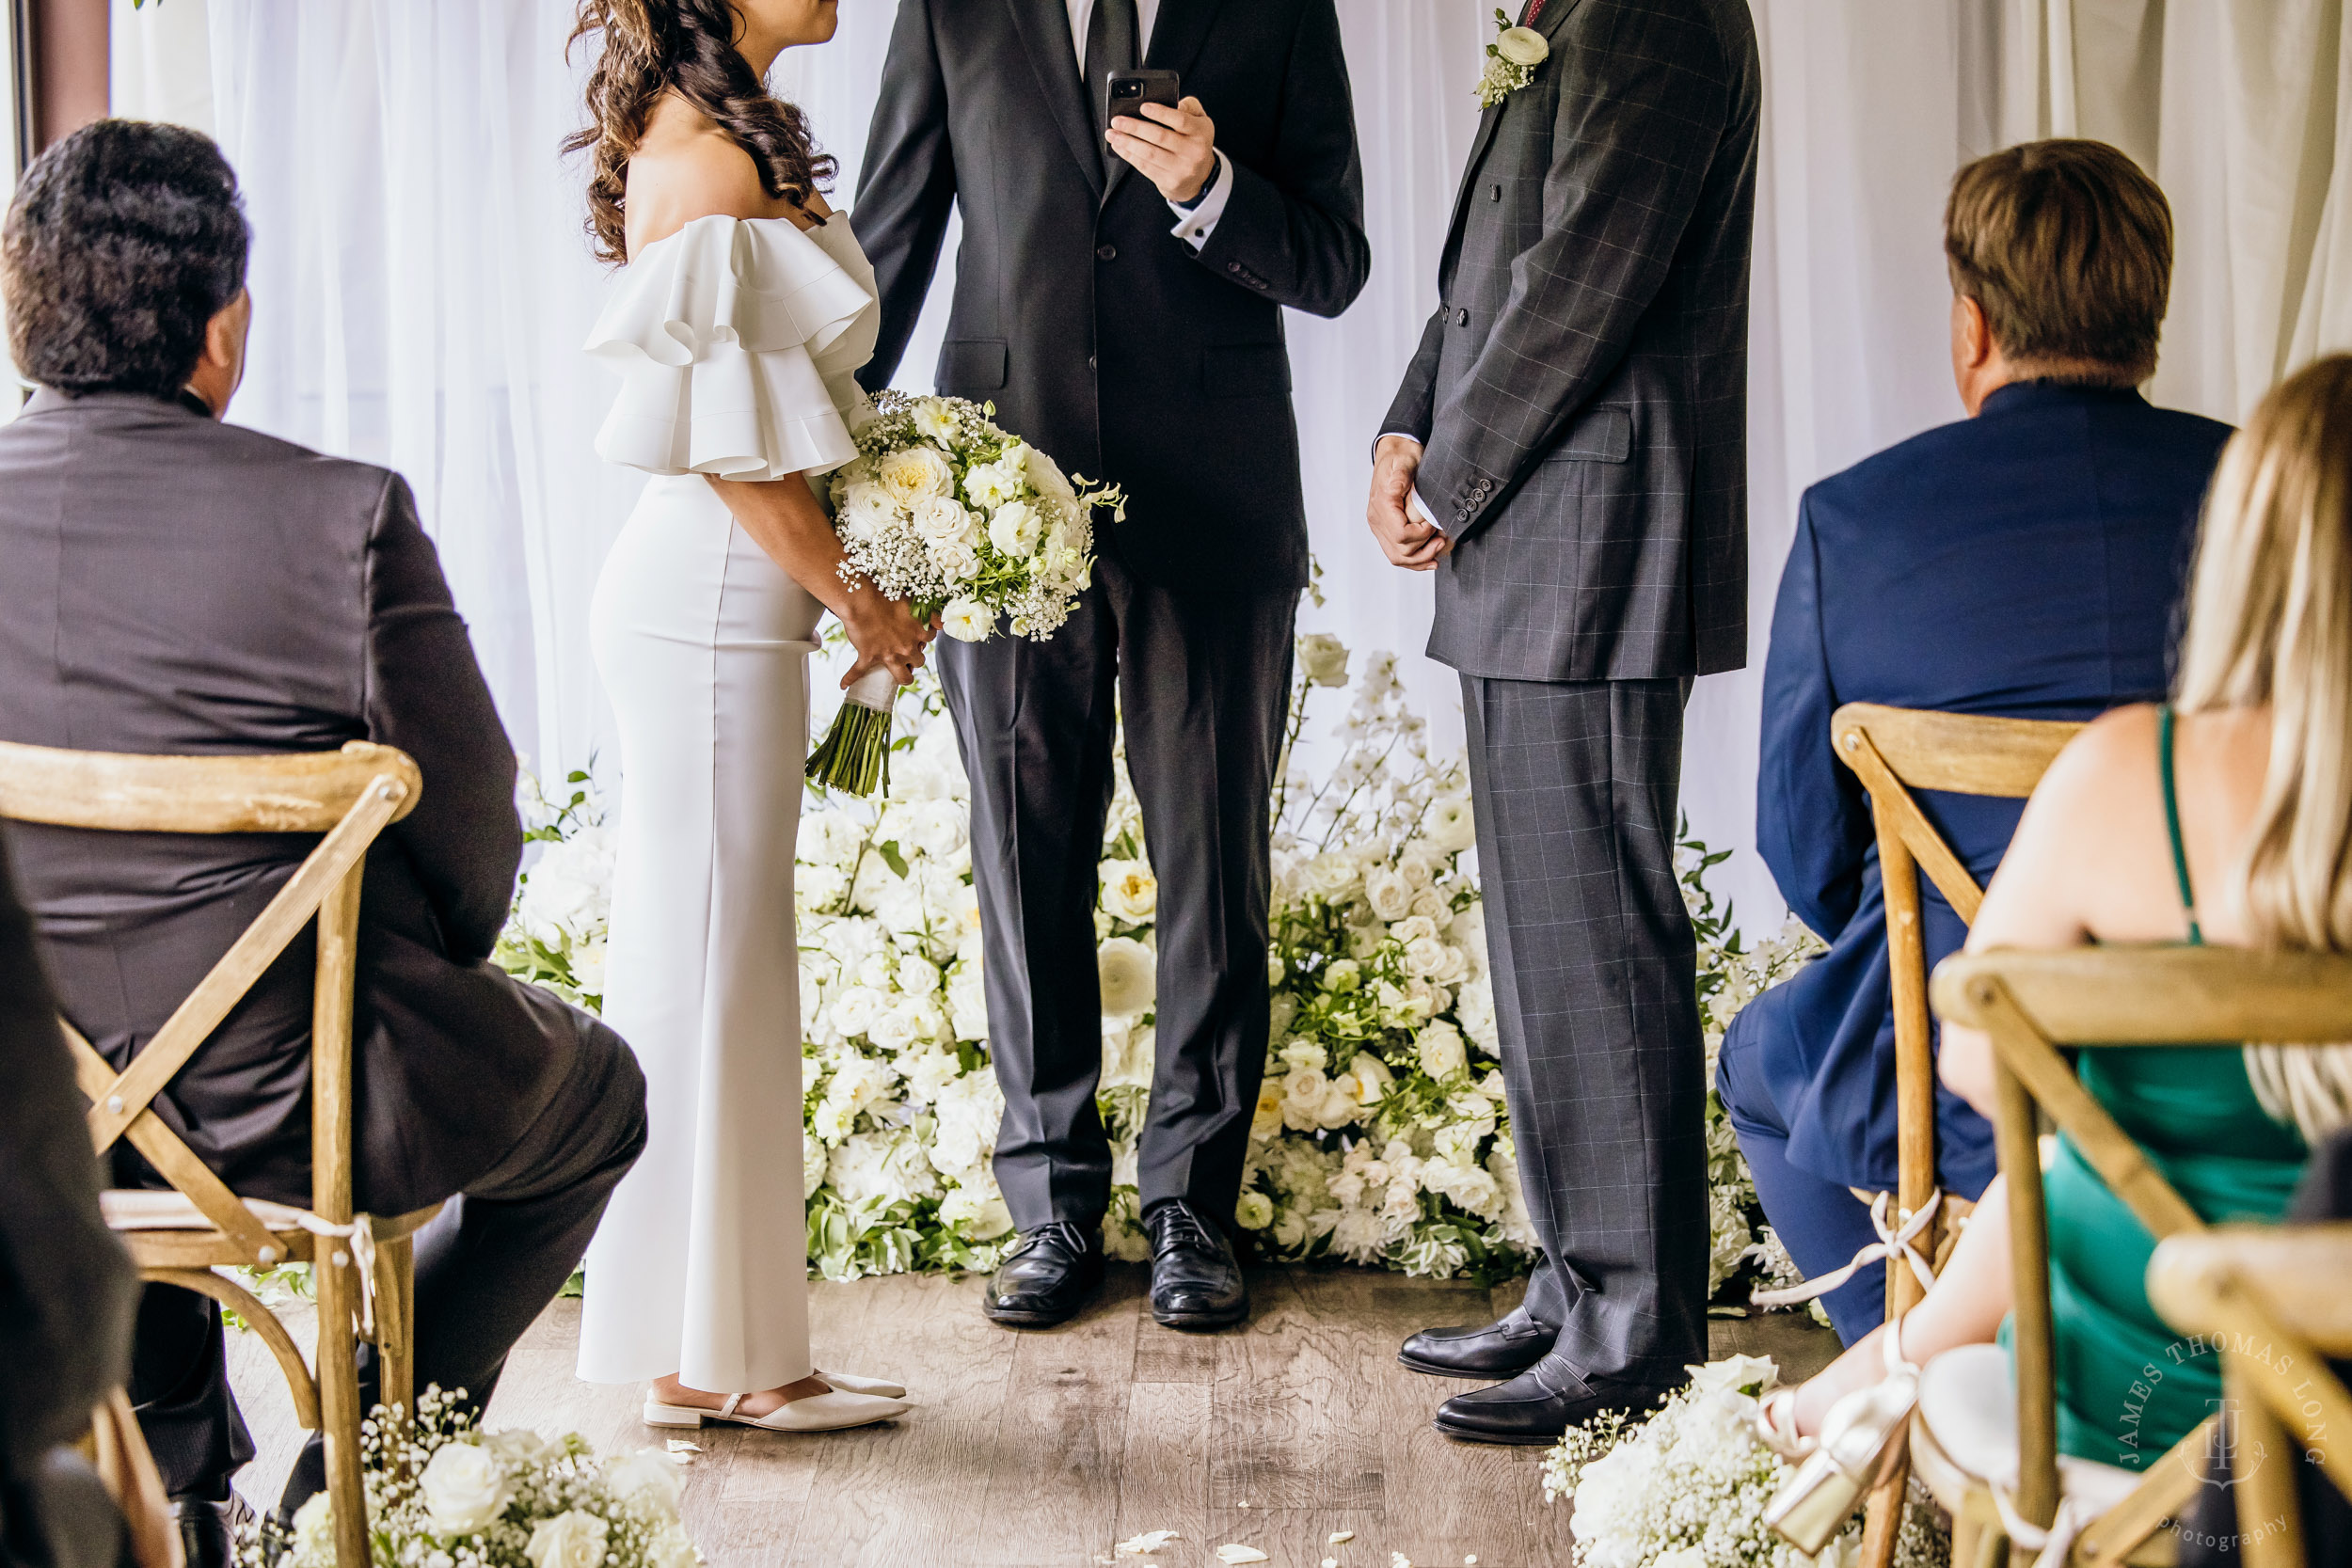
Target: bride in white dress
[(745, 309)]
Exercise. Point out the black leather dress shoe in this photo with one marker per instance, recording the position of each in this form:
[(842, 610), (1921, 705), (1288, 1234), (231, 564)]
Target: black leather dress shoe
[(207, 1530), (1195, 1281), (1540, 1404), (1046, 1279), (1492, 1350)]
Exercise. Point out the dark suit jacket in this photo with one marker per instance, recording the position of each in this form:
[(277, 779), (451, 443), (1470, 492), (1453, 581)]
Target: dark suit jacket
[(66, 1287), (1582, 390), (2029, 561), (1101, 336), (168, 584)]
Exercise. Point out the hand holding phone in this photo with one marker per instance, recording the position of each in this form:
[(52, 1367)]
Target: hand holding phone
[(1167, 139)]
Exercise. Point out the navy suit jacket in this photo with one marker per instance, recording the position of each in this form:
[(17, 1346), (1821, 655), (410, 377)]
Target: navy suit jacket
[(2029, 562)]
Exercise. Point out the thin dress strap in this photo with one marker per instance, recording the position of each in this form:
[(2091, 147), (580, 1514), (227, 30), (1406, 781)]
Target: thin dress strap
[(2172, 822)]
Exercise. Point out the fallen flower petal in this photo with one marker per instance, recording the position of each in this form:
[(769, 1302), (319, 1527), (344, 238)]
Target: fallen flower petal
[(1149, 1540), (1230, 1555)]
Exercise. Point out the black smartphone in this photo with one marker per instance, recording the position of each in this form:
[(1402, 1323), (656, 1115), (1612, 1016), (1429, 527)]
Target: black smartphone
[(1128, 91)]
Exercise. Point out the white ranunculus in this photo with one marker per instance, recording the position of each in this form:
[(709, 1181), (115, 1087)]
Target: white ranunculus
[(573, 1538), (1450, 827), (867, 509), (1388, 894), (1324, 659), (1439, 1047), (1130, 977), (941, 519), (968, 620), (647, 1481), (911, 474), (314, 1529), (1254, 1211), (464, 1488), (1130, 892), (1522, 46), (1015, 529)]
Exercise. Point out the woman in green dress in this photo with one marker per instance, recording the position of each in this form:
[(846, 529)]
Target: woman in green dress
[(2241, 789)]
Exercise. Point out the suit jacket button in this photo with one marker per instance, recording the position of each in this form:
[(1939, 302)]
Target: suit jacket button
[(1089, 361), (1494, 193), (1461, 318), (1107, 253), (1232, 266)]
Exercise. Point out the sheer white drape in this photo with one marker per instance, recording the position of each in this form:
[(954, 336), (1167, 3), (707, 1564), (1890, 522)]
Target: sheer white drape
[(423, 287)]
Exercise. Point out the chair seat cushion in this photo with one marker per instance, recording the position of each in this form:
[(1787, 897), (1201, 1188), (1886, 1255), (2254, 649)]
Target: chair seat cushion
[(1968, 1402)]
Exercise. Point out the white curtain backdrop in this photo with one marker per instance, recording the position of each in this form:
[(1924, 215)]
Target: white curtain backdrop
[(422, 286)]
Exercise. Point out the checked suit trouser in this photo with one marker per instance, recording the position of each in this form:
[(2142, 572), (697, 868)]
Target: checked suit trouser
[(1591, 950)]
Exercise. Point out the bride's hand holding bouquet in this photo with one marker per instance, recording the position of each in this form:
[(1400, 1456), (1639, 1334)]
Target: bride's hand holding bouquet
[(961, 525)]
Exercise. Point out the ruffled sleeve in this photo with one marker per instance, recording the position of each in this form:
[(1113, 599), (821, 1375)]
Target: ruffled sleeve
[(716, 332)]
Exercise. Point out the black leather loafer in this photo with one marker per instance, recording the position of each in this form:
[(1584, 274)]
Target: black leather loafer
[(1196, 1284), (207, 1530), (1046, 1279), (1492, 1352), (1540, 1404)]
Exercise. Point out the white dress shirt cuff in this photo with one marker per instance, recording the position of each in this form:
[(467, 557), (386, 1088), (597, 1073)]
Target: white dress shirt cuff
[(1415, 506), (1194, 223)]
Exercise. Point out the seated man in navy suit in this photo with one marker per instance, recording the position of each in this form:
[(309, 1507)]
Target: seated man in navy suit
[(2025, 562)]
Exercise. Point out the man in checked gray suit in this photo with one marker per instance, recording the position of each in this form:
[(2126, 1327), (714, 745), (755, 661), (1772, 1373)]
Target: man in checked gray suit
[(1569, 455)]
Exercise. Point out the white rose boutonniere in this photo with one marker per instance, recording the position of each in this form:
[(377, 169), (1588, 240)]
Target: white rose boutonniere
[(1511, 61)]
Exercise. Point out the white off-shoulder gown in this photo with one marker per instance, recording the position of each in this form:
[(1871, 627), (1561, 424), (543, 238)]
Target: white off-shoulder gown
[(736, 340)]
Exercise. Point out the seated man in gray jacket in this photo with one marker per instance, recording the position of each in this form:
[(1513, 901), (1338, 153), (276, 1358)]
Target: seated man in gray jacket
[(172, 584)]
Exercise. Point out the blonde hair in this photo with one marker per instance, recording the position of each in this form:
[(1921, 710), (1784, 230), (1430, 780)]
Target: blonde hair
[(2270, 625)]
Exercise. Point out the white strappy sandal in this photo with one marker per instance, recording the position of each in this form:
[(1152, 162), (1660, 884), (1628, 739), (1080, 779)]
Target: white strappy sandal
[(845, 1407)]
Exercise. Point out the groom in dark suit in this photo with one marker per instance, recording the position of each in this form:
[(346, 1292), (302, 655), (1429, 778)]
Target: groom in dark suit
[(1117, 297), (1568, 454)]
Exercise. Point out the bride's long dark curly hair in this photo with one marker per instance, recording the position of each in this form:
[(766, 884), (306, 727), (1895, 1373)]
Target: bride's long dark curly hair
[(654, 46)]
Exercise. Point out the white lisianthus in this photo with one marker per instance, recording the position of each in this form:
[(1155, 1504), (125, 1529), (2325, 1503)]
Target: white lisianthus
[(935, 419), (1130, 977), (1439, 1048), (968, 620), (1522, 46), (912, 473), (990, 485), (1130, 892), (1267, 1120), (1342, 975), (464, 1488), (648, 1481), (1254, 1210), (1450, 827), (1322, 658), (1015, 529), (573, 1538)]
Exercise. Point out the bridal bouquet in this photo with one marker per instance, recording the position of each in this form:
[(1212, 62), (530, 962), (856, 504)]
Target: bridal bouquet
[(441, 1492), (1685, 1487), (944, 510)]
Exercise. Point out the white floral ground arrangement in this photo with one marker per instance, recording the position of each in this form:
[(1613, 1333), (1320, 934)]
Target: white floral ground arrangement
[(1381, 1135), (1685, 1486), (442, 1494)]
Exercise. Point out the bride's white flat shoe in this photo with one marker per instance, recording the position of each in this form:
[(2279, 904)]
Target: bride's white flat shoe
[(848, 1383), (818, 1412)]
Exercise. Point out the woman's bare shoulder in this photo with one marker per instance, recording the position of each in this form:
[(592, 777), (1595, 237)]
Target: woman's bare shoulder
[(686, 169)]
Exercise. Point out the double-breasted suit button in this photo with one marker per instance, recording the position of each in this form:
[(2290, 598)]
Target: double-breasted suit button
[(1107, 253), (1232, 266), (1461, 318)]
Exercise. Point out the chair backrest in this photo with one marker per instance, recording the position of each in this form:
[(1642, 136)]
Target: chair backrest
[(2033, 1004), (1894, 750), (348, 796)]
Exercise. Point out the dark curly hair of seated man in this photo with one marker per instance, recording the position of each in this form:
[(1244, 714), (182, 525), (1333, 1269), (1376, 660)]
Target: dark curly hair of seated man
[(124, 242)]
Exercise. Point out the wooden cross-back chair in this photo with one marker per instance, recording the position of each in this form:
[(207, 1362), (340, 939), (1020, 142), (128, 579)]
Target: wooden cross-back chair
[(1894, 750), (2275, 1302), (363, 1266), (2034, 1005)]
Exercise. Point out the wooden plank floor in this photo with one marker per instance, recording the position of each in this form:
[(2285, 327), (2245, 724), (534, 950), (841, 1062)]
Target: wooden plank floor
[(1042, 1449)]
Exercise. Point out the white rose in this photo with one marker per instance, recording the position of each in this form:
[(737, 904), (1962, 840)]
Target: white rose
[(1426, 957), (1388, 894), (1331, 876), (570, 1540), (940, 519), (855, 1010), (1130, 977), (1524, 46), (1302, 1053), (1440, 1050), (1450, 827), (1015, 529), (968, 620), (464, 1489), (1130, 892), (815, 889), (647, 1482), (895, 1029), (1254, 1211), (314, 1529), (1322, 657), (1339, 1105), (1753, 1375), (911, 474), (1412, 928), (865, 510), (1302, 1099)]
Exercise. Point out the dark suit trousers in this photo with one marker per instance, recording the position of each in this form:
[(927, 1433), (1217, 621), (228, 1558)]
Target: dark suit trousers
[(1202, 680), (1592, 959), (486, 1267)]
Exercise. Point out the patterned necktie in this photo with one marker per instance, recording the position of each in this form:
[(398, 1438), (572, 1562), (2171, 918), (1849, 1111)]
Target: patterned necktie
[(1110, 46), (1535, 9)]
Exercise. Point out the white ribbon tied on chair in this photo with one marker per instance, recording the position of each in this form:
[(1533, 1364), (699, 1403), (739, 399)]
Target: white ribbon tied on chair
[(1890, 1243), (135, 1209), (2055, 1543)]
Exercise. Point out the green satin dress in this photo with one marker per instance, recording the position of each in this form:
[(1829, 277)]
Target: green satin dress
[(2129, 1386)]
